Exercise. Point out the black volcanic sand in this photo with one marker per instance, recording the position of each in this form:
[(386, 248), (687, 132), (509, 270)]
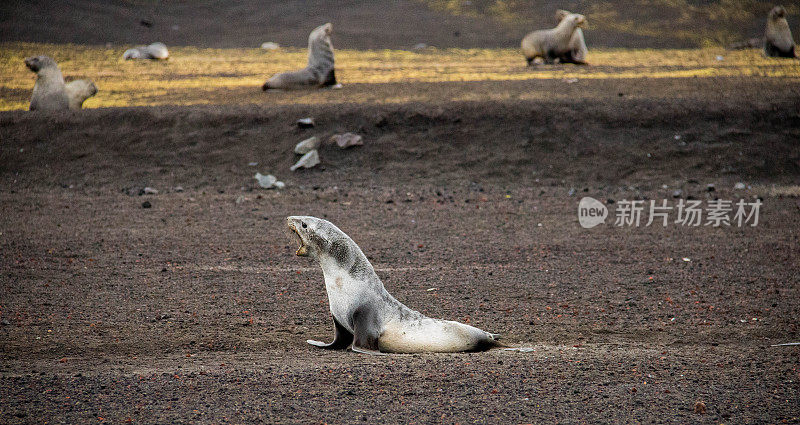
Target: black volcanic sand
[(196, 310)]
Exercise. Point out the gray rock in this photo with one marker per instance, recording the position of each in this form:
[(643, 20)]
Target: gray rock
[(305, 122), (269, 181), (307, 161), (347, 140), (307, 145)]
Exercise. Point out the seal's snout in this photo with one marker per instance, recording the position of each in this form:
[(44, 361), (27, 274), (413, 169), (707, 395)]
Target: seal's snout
[(31, 64), (295, 228), (265, 87)]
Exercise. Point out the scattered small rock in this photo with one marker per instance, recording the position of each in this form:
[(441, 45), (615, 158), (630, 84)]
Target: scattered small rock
[(571, 192), (252, 164), (268, 182), (178, 188), (610, 201), (571, 80), (710, 187), (347, 140), (420, 46), (146, 204), (520, 349), (240, 199), (700, 407), (739, 186), (305, 123), (336, 86), (307, 161), (4, 322), (307, 145), (720, 58), (150, 191), (270, 45), (677, 193)]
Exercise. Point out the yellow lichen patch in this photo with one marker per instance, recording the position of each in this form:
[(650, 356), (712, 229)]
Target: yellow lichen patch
[(227, 76)]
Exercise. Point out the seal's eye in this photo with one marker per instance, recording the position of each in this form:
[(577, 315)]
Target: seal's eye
[(305, 225)]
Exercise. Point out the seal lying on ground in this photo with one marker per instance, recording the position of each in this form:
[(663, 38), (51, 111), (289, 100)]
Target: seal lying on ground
[(555, 43), (365, 316), (778, 41), (577, 44), (154, 51), (319, 71), (50, 93)]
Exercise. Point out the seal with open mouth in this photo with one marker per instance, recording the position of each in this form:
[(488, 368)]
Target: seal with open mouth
[(365, 316)]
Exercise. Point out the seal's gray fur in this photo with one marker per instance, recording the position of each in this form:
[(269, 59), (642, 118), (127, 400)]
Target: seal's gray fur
[(50, 93), (778, 41), (320, 69), (365, 315)]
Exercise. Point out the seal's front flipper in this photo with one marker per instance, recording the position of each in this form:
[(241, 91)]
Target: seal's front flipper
[(365, 330), (341, 341), (329, 79)]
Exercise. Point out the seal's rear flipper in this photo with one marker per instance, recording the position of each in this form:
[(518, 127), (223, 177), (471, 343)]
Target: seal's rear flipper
[(341, 340)]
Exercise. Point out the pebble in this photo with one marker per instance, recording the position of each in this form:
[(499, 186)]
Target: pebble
[(307, 145), (307, 161), (150, 191), (347, 140), (268, 181), (305, 122), (739, 186), (146, 204)]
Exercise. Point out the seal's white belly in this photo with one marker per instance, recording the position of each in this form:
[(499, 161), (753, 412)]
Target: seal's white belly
[(428, 335)]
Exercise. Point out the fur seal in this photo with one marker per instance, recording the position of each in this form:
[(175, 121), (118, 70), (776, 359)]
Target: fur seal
[(555, 43), (778, 41), (320, 69), (365, 316), (577, 44), (154, 51), (78, 91), (50, 93)]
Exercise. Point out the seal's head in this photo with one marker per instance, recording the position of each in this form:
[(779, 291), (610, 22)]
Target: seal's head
[(578, 20), (561, 14), (326, 28), (314, 235), (37, 63), (777, 12), (132, 54)]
